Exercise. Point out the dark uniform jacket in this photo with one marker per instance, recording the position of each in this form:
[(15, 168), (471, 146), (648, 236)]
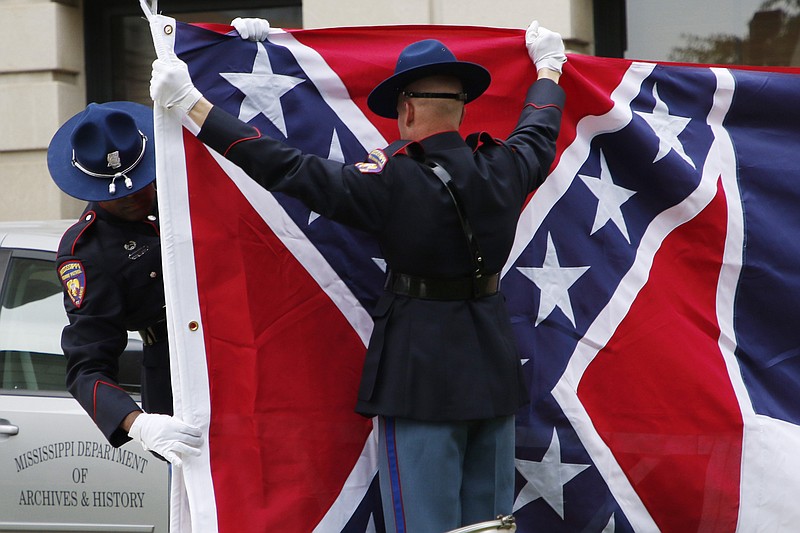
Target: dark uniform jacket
[(111, 273), (427, 359)]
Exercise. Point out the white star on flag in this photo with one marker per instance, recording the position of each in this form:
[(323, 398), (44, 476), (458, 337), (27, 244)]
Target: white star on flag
[(263, 90), (667, 128), (381, 263), (610, 199), (554, 282), (335, 153), (546, 478)]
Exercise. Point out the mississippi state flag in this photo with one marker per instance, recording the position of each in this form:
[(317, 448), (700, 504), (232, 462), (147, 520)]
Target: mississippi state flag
[(654, 287)]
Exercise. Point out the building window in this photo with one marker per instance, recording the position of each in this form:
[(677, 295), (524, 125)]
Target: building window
[(119, 49), (742, 32)]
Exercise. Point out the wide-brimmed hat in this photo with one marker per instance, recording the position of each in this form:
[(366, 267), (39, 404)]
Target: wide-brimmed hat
[(105, 152), (418, 60)]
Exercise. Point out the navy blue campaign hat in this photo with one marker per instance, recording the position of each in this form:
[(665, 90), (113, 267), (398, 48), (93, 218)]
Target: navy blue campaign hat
[(105, 152), (418, 60)]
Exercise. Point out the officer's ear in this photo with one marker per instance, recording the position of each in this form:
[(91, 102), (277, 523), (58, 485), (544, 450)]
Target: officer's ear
[(406, 112)]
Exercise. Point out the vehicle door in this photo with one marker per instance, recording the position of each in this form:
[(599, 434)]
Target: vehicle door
[(57, 471)]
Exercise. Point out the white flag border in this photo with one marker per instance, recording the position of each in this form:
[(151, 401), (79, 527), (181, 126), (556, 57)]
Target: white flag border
[(770, 466), (192, 499)]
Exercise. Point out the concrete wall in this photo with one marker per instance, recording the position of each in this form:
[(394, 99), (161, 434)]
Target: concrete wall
[(41, 85)]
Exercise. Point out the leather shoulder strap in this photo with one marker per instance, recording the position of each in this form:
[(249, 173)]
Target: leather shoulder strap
[(472, 242)]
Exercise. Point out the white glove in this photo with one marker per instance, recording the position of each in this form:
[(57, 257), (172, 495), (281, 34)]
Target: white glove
[(167, 436), (171, 86), (251, 29), (545, 47)]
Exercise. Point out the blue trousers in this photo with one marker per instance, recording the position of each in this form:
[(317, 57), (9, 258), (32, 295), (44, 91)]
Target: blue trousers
[(437, 476)]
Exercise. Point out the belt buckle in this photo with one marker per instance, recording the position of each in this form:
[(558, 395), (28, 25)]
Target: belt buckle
[(485, 285)]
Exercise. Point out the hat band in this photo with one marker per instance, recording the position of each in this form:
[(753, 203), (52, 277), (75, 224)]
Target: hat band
[(112, 188), (462, 96)]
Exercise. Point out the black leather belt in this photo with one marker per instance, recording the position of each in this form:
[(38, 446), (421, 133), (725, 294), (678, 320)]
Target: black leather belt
[(155, 333), (443, 288)]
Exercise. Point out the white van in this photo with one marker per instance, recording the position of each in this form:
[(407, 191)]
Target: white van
[(57, 471)]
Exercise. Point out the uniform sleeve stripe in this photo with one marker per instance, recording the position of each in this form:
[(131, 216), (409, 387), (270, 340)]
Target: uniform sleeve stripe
[(94, 395), (234, 143), (543, 106)]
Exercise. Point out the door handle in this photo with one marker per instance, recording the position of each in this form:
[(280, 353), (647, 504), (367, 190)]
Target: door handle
[(7, 428)]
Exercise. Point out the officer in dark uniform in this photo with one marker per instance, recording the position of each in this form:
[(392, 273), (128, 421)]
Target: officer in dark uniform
[(442, 370), (109, 264)]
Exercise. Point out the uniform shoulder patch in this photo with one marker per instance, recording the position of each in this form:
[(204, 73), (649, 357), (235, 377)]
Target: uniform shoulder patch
[(73, 278), (375, 162)]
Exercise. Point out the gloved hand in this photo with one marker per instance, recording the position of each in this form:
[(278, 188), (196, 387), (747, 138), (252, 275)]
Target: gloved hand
[(167, 436), (171, 86), (545, 47), (251, 29)]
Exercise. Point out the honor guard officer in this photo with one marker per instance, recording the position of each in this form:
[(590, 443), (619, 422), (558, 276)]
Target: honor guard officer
[(442, 371), (109, 264)]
